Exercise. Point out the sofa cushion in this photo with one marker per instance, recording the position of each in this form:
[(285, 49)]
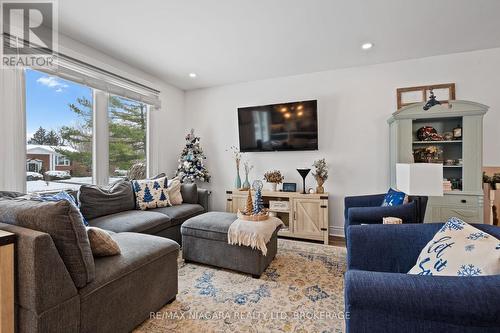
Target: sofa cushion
[(211, 225), (148, 222), (98, 201), (129, 286), (459, 249), (180, 213), (101, 242), (62, 221), (189, 193), (151, 193)]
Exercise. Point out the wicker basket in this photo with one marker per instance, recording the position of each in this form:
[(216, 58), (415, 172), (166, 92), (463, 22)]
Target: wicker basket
[(254, 218)]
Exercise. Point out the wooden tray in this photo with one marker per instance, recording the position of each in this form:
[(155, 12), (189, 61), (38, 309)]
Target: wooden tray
[(254, 218)]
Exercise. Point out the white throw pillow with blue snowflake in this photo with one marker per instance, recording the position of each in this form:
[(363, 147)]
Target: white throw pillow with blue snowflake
[(459, 249), (151, 193)]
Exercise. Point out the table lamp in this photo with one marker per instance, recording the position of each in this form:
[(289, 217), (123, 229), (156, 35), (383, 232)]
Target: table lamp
[(303, 172), (420, 179)]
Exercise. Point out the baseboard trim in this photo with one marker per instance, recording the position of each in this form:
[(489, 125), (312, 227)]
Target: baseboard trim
[(336, 231)]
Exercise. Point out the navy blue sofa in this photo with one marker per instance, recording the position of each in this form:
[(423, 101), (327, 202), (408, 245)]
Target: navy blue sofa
[(367, 209), (381, 297)]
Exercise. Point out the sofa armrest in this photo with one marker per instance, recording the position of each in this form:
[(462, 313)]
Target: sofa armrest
[(362, 201), (42, 280), (463, 301), (203, 195), (387, 247), (375, 215)]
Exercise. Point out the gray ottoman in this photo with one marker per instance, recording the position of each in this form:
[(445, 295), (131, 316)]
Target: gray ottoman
[(204, 240)]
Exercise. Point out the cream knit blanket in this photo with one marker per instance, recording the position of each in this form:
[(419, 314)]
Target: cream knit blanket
[(253, 234)]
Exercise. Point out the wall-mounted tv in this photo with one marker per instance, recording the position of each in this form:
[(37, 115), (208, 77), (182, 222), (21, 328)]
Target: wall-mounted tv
[(278, 127)]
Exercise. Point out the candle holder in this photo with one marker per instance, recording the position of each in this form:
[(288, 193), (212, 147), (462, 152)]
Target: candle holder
[(303, 172)]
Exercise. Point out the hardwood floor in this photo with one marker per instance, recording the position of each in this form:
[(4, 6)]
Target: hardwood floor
[(336, 241)]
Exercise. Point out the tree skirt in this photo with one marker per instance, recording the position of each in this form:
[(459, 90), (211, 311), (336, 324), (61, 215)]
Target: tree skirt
[(301, 291)]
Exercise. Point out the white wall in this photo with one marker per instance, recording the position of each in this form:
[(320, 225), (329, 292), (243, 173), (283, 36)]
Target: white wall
[(354, 105)]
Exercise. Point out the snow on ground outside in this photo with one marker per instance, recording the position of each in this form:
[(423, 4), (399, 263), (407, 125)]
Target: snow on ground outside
[(41, 186)]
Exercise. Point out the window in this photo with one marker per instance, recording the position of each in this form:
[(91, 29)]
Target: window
[(59, 133), (127, 137), (62, 161)]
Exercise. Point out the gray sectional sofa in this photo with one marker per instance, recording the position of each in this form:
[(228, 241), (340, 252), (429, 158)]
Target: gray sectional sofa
[(122, 290)]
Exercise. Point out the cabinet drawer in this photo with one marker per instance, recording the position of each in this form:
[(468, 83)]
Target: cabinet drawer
[(455, 200), (469, 215)]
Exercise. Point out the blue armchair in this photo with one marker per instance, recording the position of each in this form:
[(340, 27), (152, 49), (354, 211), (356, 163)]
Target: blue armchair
[(367, 209), (381, 297)]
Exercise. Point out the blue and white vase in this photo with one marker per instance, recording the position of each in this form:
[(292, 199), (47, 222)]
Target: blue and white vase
[(237, 181), (246, 183)]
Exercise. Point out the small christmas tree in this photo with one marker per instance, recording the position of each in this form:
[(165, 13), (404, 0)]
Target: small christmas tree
[(162, 196), (156, 185), (147, 195), (191, 165), (249, 208), (137, 187), (259, 203)]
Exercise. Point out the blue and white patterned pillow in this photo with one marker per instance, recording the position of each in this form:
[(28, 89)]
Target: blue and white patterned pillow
[(459, 249), (151, 193), (393, 198)]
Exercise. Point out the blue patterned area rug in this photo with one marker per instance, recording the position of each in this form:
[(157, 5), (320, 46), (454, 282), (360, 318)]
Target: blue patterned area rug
[(301, 291)]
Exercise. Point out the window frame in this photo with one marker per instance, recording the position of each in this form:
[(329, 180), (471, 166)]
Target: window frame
[(100, 131)]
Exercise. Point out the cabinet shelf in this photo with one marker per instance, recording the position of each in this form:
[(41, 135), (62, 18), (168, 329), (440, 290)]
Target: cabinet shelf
[(452, 166), (435, 142)]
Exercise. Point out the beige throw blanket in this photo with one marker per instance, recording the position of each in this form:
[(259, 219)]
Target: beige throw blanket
[(253, 234)]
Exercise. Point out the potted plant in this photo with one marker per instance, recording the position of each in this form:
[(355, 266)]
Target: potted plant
[(495, 181), (320, 173), (274, 177)]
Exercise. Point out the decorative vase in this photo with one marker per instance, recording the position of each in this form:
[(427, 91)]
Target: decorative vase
[(319, 188), (274, 187), (237, 181), (246, 183)]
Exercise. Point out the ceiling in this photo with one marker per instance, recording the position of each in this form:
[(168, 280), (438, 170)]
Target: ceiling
[(228, 41)]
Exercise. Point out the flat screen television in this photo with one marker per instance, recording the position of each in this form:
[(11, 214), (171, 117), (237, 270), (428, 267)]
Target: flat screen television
[(278, 127)]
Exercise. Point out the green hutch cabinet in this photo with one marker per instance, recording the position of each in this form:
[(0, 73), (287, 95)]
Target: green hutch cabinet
[(461, 155)]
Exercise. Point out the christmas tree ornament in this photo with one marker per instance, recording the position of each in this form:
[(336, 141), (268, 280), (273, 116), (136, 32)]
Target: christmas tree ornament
[(191, 162), (249, 208)]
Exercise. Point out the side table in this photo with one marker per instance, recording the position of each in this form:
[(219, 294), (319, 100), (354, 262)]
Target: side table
[(7, 240)]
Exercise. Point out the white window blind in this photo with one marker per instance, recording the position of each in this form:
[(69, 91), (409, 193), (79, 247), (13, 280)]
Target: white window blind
[(79, 72)]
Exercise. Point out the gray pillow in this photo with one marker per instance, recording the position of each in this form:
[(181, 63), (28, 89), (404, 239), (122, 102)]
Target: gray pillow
[(96, 201), (189, 193), (62, 221)]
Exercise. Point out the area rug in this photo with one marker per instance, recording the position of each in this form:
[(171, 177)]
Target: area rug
[(301, 291)]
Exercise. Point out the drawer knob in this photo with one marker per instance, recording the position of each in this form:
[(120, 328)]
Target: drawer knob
[(463, 201)]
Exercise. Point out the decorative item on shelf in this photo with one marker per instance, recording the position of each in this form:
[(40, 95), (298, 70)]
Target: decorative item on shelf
[(320, 174), (311, 191), (431, 102), (274, 177), (281, 205), (430, 154), (247, 168), (289, 187), (457, 133), (237, 159), (191, 166), (303, 173), (447, 136), (449, 162), (424, 133)]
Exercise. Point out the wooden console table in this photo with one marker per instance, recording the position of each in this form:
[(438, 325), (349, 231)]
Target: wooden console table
[(7, 240), (306, 215)]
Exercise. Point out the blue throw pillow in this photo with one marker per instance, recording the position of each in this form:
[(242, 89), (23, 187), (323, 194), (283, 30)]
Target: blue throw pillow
[(393, 198), (61, 196)]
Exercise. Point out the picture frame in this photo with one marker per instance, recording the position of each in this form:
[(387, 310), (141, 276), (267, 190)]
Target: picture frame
[(409, 95), (289, 187)]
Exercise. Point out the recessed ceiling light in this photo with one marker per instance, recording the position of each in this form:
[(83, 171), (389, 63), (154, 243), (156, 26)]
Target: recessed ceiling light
[(367, 46), (192, 75)]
